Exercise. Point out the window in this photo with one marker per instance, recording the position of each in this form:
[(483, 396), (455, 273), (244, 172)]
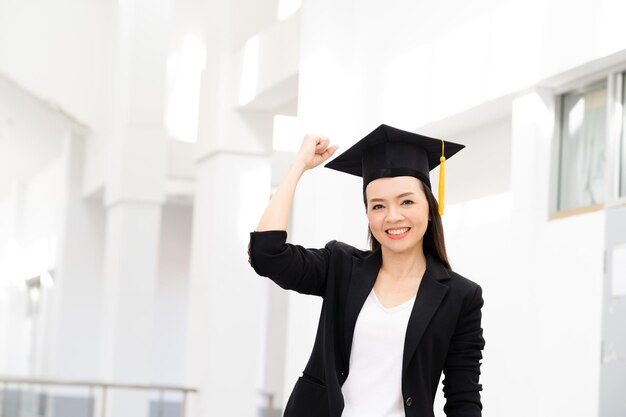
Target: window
[(622, 164), (582, 145)]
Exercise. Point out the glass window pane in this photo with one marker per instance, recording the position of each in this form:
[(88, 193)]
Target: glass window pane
[(622, 183), (583, 131)]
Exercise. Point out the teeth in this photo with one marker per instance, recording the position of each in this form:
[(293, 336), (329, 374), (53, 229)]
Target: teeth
[(398, 231)]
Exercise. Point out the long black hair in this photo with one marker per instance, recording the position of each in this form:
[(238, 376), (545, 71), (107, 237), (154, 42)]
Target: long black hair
[(434, 242)]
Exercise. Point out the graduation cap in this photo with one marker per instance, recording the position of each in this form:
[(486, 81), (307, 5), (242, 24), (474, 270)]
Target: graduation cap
[(391, 152)]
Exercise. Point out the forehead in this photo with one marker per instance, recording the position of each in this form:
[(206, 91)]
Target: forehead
[(388, 187)]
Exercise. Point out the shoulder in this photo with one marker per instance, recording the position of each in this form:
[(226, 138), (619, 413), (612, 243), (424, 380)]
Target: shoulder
[(341, 249), (462, 283), (467, 290), (456, 283)]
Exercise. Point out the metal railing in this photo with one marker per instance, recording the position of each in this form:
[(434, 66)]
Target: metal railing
[(97, 399)]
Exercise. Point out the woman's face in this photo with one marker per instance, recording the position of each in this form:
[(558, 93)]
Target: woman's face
[(397, 213)]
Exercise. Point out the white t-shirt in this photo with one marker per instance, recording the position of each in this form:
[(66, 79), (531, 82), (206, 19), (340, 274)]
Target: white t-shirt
[(374, 385)]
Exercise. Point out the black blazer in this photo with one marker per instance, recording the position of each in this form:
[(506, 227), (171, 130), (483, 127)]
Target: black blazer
[(444, 331)]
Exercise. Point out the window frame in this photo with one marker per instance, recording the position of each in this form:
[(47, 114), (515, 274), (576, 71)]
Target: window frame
[(615, 79)]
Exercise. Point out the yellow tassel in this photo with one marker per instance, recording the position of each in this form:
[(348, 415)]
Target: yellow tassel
[(442, 179)]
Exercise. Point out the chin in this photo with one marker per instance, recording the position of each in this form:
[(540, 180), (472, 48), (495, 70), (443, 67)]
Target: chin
[(400, 247)]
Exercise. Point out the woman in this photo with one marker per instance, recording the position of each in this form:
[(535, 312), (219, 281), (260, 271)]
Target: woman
[(393, 318)]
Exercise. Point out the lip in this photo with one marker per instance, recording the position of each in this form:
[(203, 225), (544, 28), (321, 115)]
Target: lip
[(398, 236)]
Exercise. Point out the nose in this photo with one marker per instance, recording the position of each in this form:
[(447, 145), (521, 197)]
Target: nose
[(394, 214)]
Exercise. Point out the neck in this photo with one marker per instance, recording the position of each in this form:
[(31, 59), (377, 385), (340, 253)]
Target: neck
[(403, 265)]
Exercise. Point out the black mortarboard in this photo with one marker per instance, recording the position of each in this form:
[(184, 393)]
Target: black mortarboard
[(391, 152)]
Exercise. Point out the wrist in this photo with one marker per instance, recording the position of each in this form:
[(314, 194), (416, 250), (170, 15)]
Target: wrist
[(298, 167)]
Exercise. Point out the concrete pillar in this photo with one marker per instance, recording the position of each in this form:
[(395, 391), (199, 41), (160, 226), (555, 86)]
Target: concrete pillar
[(13, 357), (225, 295), (131, 259), (532, 170), (226, 298), (558, 264), (274, 345), (530, 138), (72, 344), (133, 200)]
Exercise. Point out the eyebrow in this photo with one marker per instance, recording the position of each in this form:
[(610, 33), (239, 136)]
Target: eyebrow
[(399, 196)]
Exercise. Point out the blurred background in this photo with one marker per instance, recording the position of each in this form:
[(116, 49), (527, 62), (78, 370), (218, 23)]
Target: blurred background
[(140, 141)]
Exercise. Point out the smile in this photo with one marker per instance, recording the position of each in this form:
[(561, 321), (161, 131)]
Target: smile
[(397, 233)]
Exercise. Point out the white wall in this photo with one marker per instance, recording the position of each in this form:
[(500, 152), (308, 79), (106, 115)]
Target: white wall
[(171, 312), (73, 318), (457, 55), (542, 310), (483, 167), (12, 295), (30, 134), (42, 204), (29, 249)]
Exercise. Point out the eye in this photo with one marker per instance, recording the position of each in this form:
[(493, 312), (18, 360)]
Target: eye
[(377, 206), (407, 202)]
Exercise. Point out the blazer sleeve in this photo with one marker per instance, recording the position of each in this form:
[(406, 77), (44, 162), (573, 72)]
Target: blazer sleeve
[(290, 266), (462, 366)]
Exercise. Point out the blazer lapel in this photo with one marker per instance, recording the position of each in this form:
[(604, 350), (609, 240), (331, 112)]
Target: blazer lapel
[(429, 295), (364, 273)]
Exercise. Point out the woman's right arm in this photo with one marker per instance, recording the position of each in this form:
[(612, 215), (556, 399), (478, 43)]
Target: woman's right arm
[(291, 266), (313, 151)]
